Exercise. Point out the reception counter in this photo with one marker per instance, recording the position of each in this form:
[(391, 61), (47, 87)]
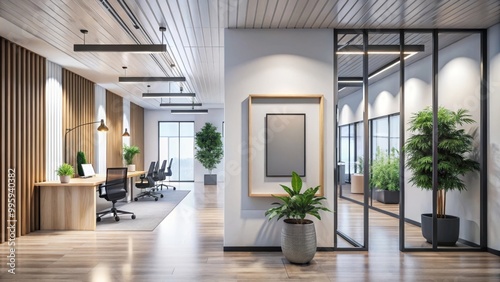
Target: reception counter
[(72, 206)]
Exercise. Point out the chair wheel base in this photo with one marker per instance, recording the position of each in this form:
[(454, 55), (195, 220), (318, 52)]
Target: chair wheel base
[(133, 216), (156, 199), (161, 196), (174, 188), (117, 218), (98, 219), (135, 199)]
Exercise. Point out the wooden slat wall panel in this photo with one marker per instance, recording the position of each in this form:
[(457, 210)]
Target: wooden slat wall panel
[(137, 133), (22, 87), (78, 108), (114, 120)]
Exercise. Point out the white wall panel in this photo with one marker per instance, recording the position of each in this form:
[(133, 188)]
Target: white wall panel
[(271, 62), (53, 114), (100, 145), (126, 120)]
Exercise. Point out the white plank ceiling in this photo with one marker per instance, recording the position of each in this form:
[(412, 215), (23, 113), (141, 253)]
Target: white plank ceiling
[(195, 29)]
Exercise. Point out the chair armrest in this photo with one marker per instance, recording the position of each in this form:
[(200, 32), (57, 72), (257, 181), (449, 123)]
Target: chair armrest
[(102, 190)]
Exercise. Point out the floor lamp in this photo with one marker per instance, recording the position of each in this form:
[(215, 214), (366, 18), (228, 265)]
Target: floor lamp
[(102, 127)]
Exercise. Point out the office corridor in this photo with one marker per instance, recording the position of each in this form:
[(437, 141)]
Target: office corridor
[(188, 246)]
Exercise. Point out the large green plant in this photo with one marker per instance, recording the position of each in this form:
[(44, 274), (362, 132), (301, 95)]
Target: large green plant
[(385, 170), (454, 146), (80, 159), (129, 153), (297, 205), (209, 149)]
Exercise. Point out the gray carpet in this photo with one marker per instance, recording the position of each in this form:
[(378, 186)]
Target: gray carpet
[(148, 212)]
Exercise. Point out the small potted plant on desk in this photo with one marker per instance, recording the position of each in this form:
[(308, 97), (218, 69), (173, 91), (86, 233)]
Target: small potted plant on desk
[(65, 172), (298, 236), (384, 177), (129, 153)]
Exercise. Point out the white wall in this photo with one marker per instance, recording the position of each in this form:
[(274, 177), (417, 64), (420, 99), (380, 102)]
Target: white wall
[(53, 115), (151, 119), (271, 62), (494, 138), (459, 86), (126, 121), (100, 147)]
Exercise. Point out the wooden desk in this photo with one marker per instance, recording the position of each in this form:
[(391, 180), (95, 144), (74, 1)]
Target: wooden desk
[(71, 206)]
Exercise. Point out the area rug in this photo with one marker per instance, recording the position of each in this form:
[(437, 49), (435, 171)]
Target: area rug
[(149, 213)]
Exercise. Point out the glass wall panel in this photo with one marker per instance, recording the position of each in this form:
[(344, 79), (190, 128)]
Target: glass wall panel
[(418, 96), (350, 217), (459, 89), (176, 141)]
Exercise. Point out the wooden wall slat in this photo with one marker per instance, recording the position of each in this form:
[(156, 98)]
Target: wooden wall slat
[(114, 118), (22, 87), (137, 133), (78, 108)]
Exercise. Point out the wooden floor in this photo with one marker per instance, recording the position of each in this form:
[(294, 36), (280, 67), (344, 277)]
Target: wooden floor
[(187, 246)]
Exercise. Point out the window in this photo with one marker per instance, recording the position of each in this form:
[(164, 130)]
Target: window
[(176, 140)]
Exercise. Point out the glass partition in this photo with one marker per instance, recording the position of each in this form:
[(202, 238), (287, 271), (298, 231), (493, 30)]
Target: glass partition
[(382, 89)]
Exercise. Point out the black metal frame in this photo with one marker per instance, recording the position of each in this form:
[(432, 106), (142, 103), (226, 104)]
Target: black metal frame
[(483, 134)]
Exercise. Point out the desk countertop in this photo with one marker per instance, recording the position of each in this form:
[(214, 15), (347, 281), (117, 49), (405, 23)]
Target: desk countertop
[(79, 181)]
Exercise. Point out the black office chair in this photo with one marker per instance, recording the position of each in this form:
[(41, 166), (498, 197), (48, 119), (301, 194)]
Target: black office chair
[(161, 175), (147, 184), (113, 190)]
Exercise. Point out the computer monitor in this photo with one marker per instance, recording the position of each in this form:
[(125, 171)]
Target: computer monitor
[(88, 170)]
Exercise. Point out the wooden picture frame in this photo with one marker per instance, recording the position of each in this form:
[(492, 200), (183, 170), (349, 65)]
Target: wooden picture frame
[(259, 105)]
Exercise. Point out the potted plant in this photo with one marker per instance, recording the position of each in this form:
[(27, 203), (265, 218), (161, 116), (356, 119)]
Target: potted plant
[(209, 150), (65, 172), (357, 179), (298, 236), (454, 145), (384, 176), (80, 159), (129, 153)]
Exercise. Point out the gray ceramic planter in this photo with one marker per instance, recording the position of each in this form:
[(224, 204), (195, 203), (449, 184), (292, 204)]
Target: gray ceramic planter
[(298, 241)]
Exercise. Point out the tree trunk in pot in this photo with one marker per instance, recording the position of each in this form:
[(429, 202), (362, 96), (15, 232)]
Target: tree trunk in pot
[(298, 241)]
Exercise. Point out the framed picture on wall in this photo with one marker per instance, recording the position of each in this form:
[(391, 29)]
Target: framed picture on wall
[(279, 135), (285, 144)]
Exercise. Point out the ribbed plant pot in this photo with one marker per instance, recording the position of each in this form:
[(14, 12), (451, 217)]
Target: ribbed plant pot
[(298, 241), (64, 178), (448, 229), (131, 167)]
